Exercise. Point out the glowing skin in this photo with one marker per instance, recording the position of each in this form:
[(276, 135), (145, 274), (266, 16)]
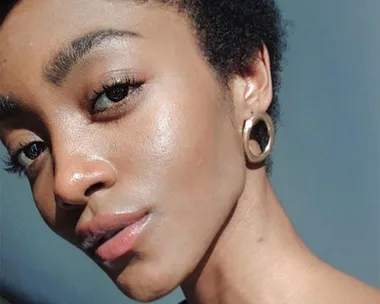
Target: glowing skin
[(169, 150)]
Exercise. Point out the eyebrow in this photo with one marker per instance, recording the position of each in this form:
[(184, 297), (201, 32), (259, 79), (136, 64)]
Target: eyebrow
[(9, 108), (62, 63)]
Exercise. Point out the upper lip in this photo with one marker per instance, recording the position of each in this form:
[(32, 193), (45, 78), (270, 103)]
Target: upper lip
[(104, 226)]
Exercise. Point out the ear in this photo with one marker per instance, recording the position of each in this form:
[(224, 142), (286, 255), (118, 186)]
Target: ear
[(252, 91)]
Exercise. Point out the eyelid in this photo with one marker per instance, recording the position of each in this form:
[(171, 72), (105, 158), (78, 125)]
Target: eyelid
[(15, 150), (118, 109), (12, 164), (109, 84), (109, 77), (14, 143)]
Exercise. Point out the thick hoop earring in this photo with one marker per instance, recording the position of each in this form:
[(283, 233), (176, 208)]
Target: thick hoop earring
[(248, 125)]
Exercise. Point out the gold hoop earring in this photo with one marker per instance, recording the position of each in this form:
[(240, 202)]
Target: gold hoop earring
[(248, 125)]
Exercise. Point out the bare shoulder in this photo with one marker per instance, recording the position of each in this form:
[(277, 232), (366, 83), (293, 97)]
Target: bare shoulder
[(366, 294)]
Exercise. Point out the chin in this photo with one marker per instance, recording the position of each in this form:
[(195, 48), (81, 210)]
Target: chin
[(146, 287), (140, 280)]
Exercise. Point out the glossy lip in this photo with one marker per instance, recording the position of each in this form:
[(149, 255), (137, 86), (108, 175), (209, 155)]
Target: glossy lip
[(111, 235)]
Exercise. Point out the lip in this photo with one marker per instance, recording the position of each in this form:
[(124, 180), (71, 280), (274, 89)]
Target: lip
[(110, 236)]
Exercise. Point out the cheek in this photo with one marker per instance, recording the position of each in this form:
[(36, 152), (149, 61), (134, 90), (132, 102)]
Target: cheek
[(44, 198), (189, 158), (193, 172), (61, 222), (182, 145)]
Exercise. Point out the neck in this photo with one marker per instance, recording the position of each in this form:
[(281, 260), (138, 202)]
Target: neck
[(257, 255)]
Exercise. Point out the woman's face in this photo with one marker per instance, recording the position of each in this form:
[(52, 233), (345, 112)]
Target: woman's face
[(121, 125)]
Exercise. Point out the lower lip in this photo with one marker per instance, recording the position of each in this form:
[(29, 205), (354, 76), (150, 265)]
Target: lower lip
[(122, 242)]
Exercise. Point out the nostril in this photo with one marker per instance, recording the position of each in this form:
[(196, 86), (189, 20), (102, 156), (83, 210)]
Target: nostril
[(93, 189), (66, 206)]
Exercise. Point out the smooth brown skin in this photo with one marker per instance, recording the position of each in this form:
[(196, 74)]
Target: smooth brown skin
[(172, 148)]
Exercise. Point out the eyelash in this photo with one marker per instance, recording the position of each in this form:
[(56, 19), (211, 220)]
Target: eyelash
[(11, 164), (130, 83)]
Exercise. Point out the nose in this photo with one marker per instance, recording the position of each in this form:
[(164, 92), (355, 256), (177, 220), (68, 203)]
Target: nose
[(78, 178)]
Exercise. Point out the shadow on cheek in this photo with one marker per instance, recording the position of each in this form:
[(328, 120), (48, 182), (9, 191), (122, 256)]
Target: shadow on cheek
[(64, 224)]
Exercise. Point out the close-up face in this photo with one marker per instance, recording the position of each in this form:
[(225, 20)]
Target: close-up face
[(129, 140)]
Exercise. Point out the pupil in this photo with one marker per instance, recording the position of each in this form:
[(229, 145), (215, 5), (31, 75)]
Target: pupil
[(117, 93), (33, 150)]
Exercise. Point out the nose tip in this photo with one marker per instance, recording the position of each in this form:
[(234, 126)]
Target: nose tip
[(77, 182)]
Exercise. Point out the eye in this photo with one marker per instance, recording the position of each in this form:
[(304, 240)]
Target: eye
[(28, 154), (110, 96)]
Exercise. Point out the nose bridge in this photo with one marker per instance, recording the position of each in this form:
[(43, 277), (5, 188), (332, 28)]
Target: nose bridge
[(80, 168), (79, 176)]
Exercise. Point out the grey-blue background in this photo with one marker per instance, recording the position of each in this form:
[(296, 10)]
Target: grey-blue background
[(326, 170)]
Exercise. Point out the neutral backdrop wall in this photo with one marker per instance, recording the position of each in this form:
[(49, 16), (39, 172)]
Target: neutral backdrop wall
[(326, 168)]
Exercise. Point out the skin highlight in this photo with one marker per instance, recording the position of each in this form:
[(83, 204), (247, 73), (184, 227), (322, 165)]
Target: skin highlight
[(171, 150)]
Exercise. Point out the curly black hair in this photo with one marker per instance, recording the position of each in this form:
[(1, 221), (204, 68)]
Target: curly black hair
[(230, 32)]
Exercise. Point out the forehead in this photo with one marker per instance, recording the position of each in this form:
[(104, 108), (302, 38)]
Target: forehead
[(42, 23), (58, 15), (36, 28)]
